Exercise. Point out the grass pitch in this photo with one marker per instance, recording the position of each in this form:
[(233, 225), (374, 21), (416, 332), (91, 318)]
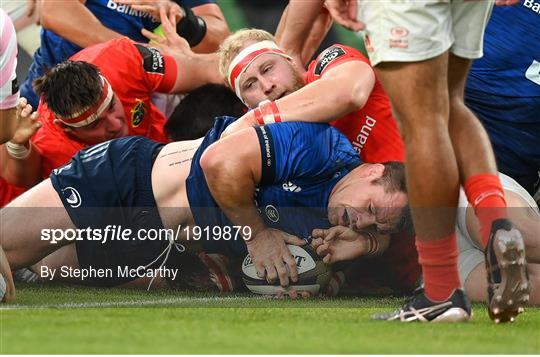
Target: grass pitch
[(66, 319)]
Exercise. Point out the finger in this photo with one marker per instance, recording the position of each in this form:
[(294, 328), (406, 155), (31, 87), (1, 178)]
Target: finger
[(152, 36), (283, 273), (293, 294), (271, 274), (315, 243), (332, 233), (319, 233), (261, 273), (166, 23), (290, 239), (291, 266), (327, 259), (323, 249)]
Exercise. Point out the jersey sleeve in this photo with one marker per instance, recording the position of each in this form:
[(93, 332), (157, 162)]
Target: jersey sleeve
[(134, 64), (334, 56), (9, 88), (299, 150)]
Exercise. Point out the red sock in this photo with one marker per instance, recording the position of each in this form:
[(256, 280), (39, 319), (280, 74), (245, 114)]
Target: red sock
[(486, 196), (439, 260)]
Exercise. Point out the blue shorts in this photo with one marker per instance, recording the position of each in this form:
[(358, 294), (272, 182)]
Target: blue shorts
[(110, 184), (513, 126)]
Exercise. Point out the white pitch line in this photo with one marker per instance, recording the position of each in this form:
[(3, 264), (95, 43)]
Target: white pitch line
[(167, 301)]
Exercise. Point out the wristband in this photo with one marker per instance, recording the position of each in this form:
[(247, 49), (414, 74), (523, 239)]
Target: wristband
[(17, 151), (258, 116), (191, 27), (269, 112)]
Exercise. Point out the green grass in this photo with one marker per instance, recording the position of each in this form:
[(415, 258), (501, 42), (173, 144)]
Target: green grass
[(62, 319)]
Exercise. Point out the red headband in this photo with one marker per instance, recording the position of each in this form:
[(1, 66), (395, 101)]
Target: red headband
[(90, 114)]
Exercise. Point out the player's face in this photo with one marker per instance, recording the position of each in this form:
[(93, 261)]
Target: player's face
[(110, 124), (270, 77), (360, 204)]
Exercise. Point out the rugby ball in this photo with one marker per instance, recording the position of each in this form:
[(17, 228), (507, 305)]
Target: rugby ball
[(313, 273)]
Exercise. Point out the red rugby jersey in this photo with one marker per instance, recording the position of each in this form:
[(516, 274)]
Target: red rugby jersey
[(372, 130), (134, 72)]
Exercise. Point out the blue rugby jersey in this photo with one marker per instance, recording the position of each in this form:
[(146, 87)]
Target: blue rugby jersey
[(302, 162), (510, 66)]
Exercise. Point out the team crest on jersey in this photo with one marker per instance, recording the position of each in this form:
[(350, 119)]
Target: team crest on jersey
[(327, 57), (137, 113)]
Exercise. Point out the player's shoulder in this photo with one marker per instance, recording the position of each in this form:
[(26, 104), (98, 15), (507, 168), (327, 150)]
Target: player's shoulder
[(335, 55)]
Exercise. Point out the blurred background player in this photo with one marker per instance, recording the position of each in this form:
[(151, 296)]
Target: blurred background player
[(503, 90), (79, 24)]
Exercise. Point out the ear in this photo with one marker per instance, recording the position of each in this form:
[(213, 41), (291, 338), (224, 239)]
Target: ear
[(375, 171)]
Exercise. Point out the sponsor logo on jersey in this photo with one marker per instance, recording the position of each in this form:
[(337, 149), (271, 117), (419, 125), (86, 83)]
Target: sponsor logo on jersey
[(152, 59), (272, 213), (126, 9), (137, 113), (72, 196), (291, 187), (327, 57), (362, 137), (534, 6)]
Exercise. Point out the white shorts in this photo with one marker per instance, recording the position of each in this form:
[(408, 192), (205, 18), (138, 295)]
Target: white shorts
[(470, 253), (417, 30)]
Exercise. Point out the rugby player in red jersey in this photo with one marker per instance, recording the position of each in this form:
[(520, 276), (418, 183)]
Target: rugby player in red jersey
[(104, 92)]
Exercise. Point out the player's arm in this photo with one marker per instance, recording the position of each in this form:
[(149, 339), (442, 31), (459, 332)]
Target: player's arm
[(329, 98), (216, 27), (72, 20), (232, 172), (191, 70), (300, 36)]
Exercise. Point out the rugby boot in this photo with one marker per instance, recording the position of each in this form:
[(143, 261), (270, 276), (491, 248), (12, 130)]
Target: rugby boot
[(506, 266), (456, 308)]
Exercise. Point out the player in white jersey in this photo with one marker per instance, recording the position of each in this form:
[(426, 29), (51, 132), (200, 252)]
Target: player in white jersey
[(525, 213)]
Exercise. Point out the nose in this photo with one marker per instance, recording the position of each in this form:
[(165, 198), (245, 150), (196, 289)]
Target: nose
[(267, 85), (364, 220)]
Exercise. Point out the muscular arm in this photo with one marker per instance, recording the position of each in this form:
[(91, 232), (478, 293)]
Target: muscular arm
[(330, 97), (300, 36), (216, 27), (232, 172), (73, 21)]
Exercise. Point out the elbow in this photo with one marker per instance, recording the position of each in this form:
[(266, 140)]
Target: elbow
[(212, 162), (358, 97)]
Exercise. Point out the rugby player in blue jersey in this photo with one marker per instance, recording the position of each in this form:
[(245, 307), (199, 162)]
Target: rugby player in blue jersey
[(301, 176), (503, 90)]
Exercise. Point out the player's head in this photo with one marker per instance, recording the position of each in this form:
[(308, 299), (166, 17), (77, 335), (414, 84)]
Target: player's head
[(371, 196), (82, 101), (256, 68), (195, 114)]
